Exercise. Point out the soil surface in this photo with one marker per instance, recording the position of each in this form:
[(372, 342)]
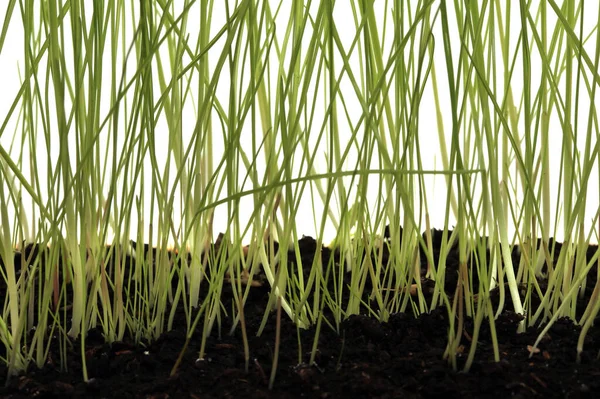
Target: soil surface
[(401, 358)]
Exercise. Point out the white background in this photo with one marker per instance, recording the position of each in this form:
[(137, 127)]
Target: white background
[(11, 62)]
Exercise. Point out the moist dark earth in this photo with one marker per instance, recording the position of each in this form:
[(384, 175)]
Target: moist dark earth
[(401, 358)]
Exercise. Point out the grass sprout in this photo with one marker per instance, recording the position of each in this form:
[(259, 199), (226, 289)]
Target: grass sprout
[(154, 152)]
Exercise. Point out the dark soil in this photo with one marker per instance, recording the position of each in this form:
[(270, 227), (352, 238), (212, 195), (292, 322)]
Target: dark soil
[(403, 358)]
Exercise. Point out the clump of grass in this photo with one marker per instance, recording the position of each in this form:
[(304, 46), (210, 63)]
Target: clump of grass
[(169, 121)]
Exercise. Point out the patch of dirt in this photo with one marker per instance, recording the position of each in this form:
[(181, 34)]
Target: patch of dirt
[(401, 358)]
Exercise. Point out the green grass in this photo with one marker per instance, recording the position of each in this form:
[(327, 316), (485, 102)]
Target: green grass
[(246, 117)]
